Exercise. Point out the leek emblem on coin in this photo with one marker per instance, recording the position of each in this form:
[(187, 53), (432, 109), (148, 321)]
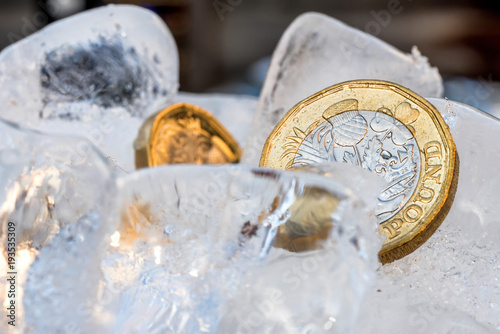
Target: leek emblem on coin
[(184, 133), (388, 130)]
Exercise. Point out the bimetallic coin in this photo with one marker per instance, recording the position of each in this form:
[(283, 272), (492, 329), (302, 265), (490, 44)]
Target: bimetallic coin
[(388, 130), (184, 133)]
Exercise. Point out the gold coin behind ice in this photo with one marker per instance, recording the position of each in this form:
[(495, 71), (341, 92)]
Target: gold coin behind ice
[(184, 133), (388, 130)]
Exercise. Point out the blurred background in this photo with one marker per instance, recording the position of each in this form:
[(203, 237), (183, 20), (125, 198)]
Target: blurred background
[(225, 45)]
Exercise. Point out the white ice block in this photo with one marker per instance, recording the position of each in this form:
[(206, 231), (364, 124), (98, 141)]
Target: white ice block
[(317, 51)]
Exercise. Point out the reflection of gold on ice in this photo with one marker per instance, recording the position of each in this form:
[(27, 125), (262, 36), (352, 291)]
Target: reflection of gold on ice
[(134, 220), (139, 222), (310, 222)]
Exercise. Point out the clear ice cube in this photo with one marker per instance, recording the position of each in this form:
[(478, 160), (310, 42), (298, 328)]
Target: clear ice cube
[(188, 252), (51, 187)]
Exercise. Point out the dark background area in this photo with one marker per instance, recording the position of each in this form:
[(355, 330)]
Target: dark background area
[(225, 45)]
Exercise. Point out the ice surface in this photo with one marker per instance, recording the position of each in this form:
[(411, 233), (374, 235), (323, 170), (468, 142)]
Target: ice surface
[(316, 52), (451, 283), (186, 256), (50, 186)]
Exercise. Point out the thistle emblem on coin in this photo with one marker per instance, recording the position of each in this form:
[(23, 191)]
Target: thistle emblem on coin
[(381, 142)]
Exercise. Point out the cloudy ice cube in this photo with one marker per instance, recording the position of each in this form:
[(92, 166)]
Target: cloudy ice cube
[(316, 52), (454, 275), (97, 74), (103, 82), (114, 60)]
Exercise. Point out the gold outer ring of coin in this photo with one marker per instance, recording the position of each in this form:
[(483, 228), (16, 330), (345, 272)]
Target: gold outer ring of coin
[(385, 128), (184, 133)]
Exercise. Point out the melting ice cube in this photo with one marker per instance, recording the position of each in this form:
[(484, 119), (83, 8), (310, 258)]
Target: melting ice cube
[(184, 255)]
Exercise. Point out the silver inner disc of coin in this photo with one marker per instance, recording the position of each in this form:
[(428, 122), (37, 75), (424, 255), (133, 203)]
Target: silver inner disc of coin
[(373, 140)]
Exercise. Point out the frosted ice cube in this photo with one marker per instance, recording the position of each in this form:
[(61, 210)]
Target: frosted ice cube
[(317, 51), (187, 240), (457, 270), (50, 186), (114, 60), (97, 74)]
